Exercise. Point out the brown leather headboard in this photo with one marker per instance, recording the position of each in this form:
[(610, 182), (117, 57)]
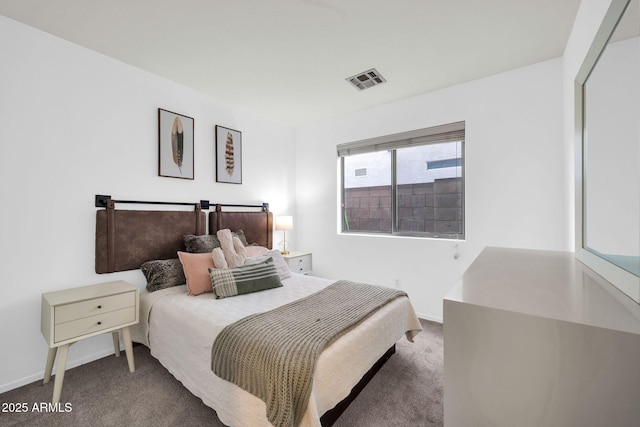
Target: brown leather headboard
[(127, 238), (257, 226)]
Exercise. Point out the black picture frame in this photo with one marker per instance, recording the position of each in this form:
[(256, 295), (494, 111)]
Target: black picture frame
[(228, 155), (175, 145)]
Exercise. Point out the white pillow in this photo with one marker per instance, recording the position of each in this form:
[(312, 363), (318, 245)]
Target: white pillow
[(256, 250), (219, 261), (234, 252), (281, 265)]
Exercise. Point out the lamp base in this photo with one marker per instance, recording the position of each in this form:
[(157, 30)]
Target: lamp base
[(283, 245)]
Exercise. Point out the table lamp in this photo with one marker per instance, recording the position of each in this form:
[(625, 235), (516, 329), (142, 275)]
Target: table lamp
[(284, 223)]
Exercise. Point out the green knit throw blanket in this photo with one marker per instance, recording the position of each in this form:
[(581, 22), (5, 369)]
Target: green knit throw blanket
[(272, 355)]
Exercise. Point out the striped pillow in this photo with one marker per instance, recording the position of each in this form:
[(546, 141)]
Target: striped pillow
[(228, 282)]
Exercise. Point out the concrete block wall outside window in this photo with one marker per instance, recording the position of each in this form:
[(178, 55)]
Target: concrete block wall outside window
[(434, 207)]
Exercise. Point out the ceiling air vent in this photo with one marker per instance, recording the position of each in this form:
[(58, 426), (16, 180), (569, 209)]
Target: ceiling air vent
[(366, 79)]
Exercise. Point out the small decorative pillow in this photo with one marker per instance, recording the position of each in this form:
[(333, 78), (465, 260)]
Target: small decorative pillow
[(218, 258), (195, 268), (234, 251), (281, 265), (163, 273), (207, 242), (240, 235), (241, 251), (243, 280), (200, 244)]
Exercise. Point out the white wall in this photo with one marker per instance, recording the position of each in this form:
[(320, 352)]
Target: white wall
[(515, 182), (73, 124)]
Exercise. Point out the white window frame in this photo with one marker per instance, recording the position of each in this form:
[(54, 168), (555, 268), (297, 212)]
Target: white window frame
[(452, 132)]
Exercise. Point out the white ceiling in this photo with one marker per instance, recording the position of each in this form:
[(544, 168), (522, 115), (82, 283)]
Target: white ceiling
[(287, 60)]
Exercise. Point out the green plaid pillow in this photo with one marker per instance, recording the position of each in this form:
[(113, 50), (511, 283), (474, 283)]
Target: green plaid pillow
[(228, 282)]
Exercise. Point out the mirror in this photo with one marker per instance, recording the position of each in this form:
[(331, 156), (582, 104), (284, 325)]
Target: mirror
[(612, 149), (609, 82)]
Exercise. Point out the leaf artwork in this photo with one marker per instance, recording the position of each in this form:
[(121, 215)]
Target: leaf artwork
[(177, 143), (228, 154)]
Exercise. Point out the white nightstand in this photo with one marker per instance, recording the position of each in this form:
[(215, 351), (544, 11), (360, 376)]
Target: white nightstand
[(74, 314), (299, 262)]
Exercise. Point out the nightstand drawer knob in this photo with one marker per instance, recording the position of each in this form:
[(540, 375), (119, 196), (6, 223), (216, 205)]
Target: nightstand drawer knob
[(99, 306), (99, 323)]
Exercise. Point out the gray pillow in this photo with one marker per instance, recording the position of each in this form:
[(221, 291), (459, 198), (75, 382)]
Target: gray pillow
[(208, 242), (200, 244), (163, 273), (228, 282)]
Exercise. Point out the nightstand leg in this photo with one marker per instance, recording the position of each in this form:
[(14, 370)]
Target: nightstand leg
[(62, 365), (116, 343), (128, 348), (51, 356)]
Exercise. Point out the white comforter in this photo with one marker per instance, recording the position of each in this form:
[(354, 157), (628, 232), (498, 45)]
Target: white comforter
[(180, 330)]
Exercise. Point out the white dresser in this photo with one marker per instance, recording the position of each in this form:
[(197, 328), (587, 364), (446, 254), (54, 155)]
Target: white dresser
[(73, 314), (535, 338)]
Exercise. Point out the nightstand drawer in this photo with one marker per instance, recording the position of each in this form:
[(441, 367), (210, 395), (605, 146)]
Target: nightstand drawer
[(300, 264), (88, 325), (82, 309)]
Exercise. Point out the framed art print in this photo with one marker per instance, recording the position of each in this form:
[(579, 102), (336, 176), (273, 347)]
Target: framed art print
[(175, 145), (228, 155)]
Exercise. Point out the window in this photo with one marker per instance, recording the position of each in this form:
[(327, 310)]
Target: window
[(405, 184)]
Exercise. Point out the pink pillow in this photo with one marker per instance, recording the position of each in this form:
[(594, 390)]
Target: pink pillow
[(196, 270), (256, 250)]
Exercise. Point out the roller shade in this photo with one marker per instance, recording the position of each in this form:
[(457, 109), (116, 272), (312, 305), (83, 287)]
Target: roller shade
[(437, 134)]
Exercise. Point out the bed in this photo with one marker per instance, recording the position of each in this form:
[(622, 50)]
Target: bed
[(180, 329)]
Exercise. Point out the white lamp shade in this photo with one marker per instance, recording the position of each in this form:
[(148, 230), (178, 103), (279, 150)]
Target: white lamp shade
[(284, 222)]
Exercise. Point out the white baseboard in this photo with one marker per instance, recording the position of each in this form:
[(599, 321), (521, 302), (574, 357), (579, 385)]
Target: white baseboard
[(431, 318), (70, 364)]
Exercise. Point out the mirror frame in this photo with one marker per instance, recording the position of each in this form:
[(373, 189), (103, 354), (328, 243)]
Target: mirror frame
[(626, 282)]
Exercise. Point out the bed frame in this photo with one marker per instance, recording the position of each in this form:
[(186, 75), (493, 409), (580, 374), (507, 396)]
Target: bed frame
[(332, 415), (127, 238)]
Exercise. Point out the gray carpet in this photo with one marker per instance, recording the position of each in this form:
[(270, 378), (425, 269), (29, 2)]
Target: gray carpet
[(407, 391)]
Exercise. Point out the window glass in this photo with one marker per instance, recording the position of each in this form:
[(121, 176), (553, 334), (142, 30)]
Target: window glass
[(367, 192), (429, 189)]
